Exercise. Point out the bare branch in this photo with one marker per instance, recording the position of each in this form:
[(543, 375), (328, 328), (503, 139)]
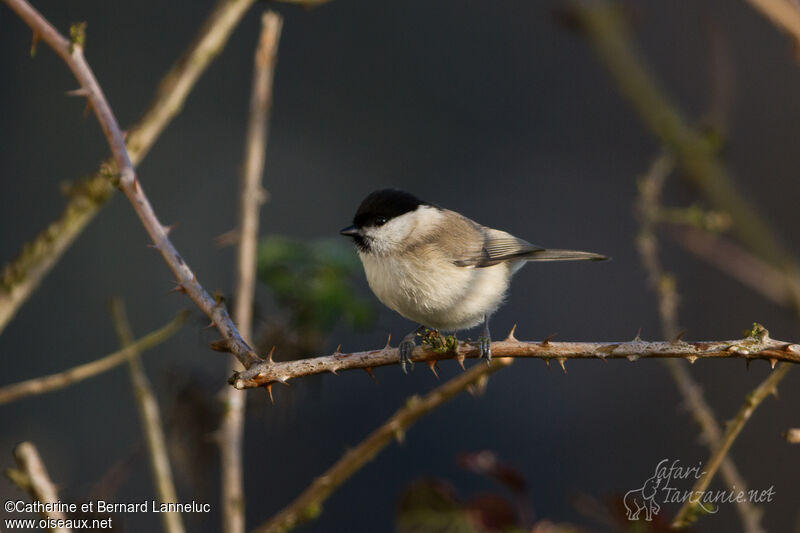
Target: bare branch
[(21, 277), (309, 503), (72, 54), (753, 400), (757, 347), (32, 478), (663, 283), (151, 421), (57, 381), (772, 283), (252, 196), (604, 25)]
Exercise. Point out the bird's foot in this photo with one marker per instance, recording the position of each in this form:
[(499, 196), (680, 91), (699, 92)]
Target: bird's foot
[(485, 342), (485, 348), (406, 348)]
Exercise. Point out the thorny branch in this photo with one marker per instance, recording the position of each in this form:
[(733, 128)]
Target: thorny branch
[(251, 197), (32, 477), (73, 375), (758, 346), (308, 504), (71, 51), (648, 206), (150, 415), (20, 278)]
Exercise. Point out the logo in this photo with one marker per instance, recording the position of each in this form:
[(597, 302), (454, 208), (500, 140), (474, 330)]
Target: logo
[(662, 487)]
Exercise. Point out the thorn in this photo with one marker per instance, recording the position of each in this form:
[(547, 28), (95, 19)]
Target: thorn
[(387, 342), (87, 108), (561, 362), (34, 42), (460, 358), (268, 386), (78, 92), (168, 229), (511, 337), (638, 337), (432, 366), (210, 325), (677, 338), (151, 245), (371, 374), (338, 350), (773, 362), (334, 371), (220, 345), (691, 358), (177, 288), (548, 339), (547, 362), (269, 357)]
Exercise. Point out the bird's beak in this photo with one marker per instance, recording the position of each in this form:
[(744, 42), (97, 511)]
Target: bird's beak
[(349, 231)]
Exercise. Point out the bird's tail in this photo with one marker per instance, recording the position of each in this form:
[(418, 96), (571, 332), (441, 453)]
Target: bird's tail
[(563, 255)]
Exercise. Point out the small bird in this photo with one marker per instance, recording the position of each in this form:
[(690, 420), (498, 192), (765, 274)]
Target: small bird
[(437, 267)]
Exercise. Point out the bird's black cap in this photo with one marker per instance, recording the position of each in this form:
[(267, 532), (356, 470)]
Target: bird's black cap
[(384, 205)]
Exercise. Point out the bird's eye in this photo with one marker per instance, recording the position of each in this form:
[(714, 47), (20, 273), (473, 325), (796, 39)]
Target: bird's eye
[(380, 221)]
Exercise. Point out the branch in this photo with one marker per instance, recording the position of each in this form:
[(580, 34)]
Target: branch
[(308, 504), (252, 196), (72, 54), (151, 421), (648, 207), (604, 25), (774, 284), (21, 277), (32, 478), (759, 346), (68, 377), (767, 387), (782, 13)]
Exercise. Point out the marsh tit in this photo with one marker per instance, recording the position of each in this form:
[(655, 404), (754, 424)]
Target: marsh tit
[(437, 267)]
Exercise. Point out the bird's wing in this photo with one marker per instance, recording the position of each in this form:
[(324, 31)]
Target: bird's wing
[(498, 247)]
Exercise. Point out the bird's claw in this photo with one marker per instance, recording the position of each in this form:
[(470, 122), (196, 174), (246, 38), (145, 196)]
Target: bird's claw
[(405, 349)]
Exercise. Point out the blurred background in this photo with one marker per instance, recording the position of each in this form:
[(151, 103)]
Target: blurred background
[(494, 109)]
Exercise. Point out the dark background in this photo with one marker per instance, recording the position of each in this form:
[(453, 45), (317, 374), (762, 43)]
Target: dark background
[(491, 108)]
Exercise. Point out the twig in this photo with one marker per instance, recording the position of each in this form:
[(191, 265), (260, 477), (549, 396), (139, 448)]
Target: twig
[(782, 13), (663, 283), (32, 478), (606, 29), (68, 377), (151, 421), (309, 503), (770, 282), (759, 346), (71, 51), (767, 387), (252, 196), (21, 277)]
